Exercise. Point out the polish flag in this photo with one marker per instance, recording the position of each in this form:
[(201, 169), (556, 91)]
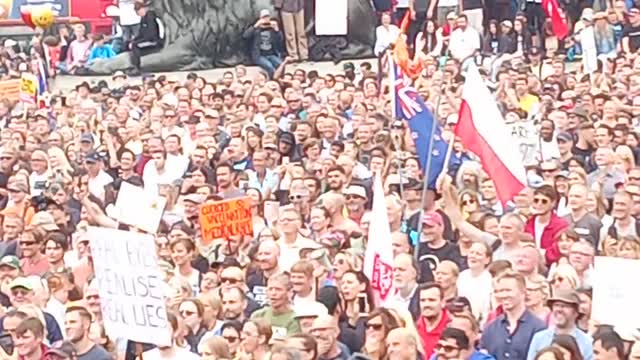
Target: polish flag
[(482, 130), (378, 257), (558, 22)]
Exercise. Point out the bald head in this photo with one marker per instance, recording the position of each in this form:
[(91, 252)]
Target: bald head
[(401, 345)]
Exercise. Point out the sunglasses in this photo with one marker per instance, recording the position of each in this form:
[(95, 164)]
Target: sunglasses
[(376, 327), (349, 197), (187, 312), (397, 127), (22, 292), (230, 280), (296, 197), (468, 202), (446, 347), (540, 201), (6, 158)]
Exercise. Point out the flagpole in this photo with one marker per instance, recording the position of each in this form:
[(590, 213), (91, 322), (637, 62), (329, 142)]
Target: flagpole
[(425, 183)]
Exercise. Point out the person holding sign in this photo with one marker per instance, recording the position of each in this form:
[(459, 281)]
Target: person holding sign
[(178, 349)]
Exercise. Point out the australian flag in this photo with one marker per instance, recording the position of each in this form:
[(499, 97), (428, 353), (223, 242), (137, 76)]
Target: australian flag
[(408, 105)]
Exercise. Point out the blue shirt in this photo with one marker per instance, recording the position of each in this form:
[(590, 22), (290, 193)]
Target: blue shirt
[(270, 182), (544, 338), (505, 345)]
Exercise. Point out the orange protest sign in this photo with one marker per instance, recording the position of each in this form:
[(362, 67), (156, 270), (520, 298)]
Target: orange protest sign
[(10, 89), (221, 219)]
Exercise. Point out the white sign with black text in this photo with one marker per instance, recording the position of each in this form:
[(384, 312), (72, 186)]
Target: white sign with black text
[(131, 285)]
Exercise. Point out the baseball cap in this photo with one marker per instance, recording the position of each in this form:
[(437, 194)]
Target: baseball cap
[(119, 74), (348, 66), (18, 186), (92, 157), (309, 309), (44, 220), (194, 198), (22, 282), (356, 190), (564, 137), (432, 218), (86, 137), (265, 13), (63, 349), (11, 261)]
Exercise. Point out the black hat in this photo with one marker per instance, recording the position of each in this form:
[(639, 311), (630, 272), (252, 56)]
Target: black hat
[(413, 184), (287, 138), (83, 84), (92, 157)]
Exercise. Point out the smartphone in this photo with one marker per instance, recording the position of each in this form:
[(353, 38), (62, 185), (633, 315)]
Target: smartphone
[(6, 342), (63, 101), (362, 303), (285, 160)]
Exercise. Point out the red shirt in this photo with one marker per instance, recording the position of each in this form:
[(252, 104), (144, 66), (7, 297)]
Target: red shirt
[(430, 338), (34, 267)]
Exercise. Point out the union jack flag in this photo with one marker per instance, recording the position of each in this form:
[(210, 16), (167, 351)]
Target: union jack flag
[(408, 105)]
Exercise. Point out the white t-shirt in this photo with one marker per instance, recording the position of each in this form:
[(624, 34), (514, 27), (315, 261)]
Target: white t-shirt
[(97, 184), (128, 14), (38, 183), (478, 291), (179, 354)]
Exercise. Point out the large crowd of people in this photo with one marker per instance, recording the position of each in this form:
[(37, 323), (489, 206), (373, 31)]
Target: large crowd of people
[(474, 278)]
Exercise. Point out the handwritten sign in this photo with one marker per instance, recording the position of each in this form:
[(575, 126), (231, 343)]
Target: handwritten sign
[(131, 285), (526, 136), (139, 208), (10, 89), (614, 300), (222, 219), (28, 88), (331, 17)]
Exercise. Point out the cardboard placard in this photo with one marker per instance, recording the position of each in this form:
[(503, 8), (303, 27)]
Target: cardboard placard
[(139, 208), (614, 300), (221, 219), (131, 285), (10, 89), (28, 88)]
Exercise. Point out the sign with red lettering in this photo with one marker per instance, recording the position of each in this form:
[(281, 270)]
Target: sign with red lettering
[(222, 219)]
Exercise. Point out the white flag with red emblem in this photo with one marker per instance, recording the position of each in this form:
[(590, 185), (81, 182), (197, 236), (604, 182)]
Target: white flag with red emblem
[(378, 257)]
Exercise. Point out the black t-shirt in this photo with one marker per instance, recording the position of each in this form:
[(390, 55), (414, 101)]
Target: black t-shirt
[(472, 4), (257, 284), (633, 33), (429, 258), (265, 42)]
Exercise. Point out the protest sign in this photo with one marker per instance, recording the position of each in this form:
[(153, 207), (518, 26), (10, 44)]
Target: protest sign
[(28, 88), (222, 219), (526, 136), (131, 285), (331, 17), (614, 299), (139, 208), (10, 89)]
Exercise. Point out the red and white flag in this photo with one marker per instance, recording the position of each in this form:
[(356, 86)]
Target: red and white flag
[(378, 257), (558, 21), (482, 130)]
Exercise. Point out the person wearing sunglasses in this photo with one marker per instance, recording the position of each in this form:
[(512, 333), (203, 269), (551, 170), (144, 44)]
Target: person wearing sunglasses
[(378, 324), (192, 311), (231, 331), (545, 224), (453, 345)]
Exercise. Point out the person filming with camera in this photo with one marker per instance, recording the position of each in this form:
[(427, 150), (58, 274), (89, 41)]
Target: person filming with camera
[(265, 43)]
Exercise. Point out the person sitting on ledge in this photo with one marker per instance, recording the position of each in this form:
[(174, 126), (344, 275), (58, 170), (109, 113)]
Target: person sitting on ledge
[(265, 43), (149, 38)]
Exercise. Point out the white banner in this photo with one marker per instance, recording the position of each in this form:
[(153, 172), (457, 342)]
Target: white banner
[(131, 285), (139, 208), (331, 17), (615, 300), (526, 136)]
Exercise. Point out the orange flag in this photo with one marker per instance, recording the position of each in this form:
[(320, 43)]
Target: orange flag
[(401, 56)]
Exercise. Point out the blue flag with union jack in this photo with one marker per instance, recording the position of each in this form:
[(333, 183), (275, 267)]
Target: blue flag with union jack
[(408, 105)]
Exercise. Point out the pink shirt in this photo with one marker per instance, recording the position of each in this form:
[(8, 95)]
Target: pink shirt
[(79, 52)]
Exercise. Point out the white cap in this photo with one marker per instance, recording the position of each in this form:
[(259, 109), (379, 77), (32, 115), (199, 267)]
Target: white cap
[(308, 308)]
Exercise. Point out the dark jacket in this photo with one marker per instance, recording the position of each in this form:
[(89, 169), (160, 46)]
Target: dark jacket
[(149, 29), (252, 34)]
